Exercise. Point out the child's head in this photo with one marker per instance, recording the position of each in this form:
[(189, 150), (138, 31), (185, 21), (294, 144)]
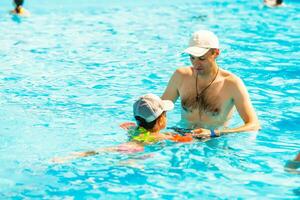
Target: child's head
[(18, 2), (150, 112)]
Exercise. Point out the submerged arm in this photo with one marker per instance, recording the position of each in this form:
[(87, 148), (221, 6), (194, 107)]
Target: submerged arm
[(127, 148), (73, 156)]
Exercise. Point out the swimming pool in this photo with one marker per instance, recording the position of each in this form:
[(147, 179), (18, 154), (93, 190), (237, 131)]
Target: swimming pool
[(70, 73)]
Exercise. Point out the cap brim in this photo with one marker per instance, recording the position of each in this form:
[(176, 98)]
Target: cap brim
[(196, 51), (167, 105)]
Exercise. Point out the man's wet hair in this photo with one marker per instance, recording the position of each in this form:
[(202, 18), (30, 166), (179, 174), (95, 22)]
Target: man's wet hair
[(19, 2)]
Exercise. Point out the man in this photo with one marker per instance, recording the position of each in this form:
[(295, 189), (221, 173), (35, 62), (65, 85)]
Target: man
[(208, 93)]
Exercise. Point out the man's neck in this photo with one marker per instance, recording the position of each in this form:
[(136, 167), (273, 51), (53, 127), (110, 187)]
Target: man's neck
[(211, 73)]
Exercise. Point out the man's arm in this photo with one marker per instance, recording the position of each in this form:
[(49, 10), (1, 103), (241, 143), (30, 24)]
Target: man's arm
[(171, 92), (244, 107)]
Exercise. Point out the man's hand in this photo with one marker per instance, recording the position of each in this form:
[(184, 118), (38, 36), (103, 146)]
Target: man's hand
[(201, 133)]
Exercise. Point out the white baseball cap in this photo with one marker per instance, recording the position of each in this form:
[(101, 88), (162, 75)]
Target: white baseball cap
[(150, 107), (201, 41)]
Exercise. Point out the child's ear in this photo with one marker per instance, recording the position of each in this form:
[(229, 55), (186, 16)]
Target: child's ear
[(159, 121), (162, 121)]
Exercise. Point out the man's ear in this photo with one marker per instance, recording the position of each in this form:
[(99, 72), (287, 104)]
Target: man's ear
[(216, 52)]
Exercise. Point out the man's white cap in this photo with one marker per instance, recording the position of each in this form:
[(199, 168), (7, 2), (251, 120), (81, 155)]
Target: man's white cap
[(150, 107), (201, 41)]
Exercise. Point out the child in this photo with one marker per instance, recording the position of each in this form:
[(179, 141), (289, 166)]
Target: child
[(19, 10), (150, 115)]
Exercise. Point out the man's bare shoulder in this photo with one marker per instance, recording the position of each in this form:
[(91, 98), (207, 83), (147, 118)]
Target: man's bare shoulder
[(184, 71), (231, 79)]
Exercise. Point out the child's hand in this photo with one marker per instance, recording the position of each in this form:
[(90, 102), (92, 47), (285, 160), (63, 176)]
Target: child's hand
[(127, 125)]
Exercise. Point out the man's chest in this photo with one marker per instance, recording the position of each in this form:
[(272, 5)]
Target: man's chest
[(216, 92)]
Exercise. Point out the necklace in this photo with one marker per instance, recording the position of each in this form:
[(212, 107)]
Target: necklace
[(201, 92)]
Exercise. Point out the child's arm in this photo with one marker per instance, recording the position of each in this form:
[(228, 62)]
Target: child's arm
[(127, 125)]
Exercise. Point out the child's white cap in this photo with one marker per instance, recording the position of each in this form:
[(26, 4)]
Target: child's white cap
[(150, 107)]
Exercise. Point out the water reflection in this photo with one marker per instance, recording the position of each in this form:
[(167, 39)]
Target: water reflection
[(16, 18)]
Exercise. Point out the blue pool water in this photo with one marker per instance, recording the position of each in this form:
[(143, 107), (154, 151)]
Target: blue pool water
[(70, 73)]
